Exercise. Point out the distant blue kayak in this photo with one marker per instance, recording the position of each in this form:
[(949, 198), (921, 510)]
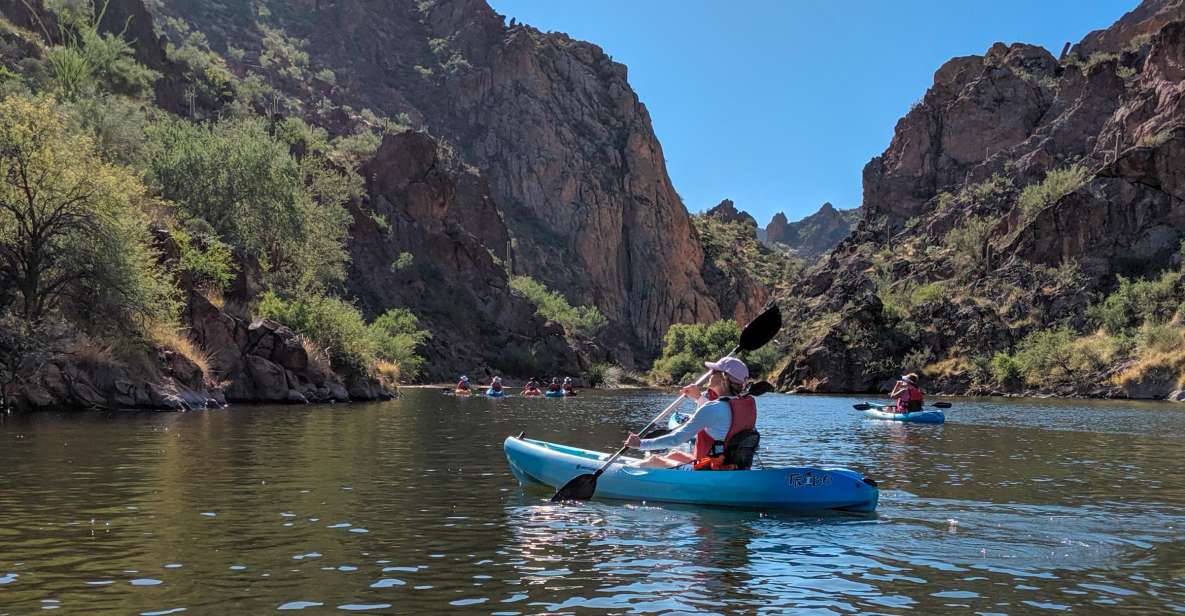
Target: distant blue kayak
[(495, 394), (803, 488), (554, 394), (890, 413)]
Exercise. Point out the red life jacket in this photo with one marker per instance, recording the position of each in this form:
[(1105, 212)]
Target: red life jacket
[(910, 400), (463, 385), (496, 387), (744, 417), (553, 387), (567, 387)]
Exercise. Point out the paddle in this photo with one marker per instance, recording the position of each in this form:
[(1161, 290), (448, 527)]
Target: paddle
[(864, 406), (756, 334)]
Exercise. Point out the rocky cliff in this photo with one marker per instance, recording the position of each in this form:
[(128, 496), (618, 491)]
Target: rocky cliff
[(814, 235), (1007, 202), (562, 144)]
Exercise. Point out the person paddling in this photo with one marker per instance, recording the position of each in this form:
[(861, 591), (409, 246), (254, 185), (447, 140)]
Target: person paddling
[(531, 388), (907, 393), (555, 385), (463, 384), (568, 389), (496, 385), (722, 415)]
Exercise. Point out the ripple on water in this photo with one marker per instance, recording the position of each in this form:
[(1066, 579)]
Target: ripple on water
[(145, 582), (388, 583), (362, 607), (175, 610)]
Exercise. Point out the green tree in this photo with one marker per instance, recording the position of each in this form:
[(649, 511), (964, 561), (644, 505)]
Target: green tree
[(285, 214), (72, 232)]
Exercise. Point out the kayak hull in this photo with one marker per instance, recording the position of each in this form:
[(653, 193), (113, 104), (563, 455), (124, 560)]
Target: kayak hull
[(554, 394), (495, 394), (801, 489), (930, 417), (461, 392)]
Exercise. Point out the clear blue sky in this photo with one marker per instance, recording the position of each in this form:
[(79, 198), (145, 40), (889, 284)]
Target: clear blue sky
[(778, 104)]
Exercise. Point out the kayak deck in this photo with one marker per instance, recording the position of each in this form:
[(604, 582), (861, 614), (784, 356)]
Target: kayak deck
[(889, 413), (804, 488)]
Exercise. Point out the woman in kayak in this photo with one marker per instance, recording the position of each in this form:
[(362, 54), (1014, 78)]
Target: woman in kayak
[(907, 393), (531, 388), (555, 385), (721, 412), (463, 384), (568, 389), (496, 384)]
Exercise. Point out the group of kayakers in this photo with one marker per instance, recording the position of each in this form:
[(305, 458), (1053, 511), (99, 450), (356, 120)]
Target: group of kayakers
[(555, 389)]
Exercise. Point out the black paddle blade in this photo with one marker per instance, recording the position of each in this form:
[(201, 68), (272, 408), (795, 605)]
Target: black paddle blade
[(580, 487), (941, 405), (761, 329), (863, 406), (760, 387)]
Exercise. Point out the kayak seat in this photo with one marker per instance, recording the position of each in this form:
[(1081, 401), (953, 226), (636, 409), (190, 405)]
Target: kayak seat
[(741, 448)]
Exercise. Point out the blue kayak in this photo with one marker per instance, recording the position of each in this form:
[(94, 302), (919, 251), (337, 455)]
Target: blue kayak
[(554, 394), (890, 413), (495, 394), (802, 489)]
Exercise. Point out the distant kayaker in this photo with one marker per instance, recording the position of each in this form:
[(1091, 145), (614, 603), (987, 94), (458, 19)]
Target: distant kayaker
[(722, 414), (496, 384), (555, 385), (907, 393), (463, 384), (531, 388), (568, 389)]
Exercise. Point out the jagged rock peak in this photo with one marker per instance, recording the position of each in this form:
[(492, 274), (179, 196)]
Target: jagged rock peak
[(726, 211)]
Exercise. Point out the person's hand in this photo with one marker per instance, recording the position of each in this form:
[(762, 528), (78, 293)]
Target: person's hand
[(633, 441), (691, 391)]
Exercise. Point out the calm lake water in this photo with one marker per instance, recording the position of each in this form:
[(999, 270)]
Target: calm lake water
[(408, 507)]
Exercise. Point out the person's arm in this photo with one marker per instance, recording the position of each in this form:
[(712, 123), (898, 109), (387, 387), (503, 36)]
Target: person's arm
[(897, 389), (707, 415)]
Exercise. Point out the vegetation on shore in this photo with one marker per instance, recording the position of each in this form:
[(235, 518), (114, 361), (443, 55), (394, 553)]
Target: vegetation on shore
[(100, 186)]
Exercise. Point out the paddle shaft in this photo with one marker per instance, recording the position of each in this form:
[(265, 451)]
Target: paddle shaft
[(660, 417)]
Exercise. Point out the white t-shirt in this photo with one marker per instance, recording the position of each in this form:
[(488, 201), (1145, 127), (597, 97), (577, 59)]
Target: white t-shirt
[(714, 416)]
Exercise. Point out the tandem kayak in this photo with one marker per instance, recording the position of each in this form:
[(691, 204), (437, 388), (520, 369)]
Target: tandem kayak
[(553, 394), (495, 393), (889, 412), (803, 489)]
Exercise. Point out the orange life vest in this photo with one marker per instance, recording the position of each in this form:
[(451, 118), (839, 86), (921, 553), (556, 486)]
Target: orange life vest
[(910, 399), (709, 453)]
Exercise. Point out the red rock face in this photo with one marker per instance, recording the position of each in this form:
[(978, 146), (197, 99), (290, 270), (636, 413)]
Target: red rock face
[(550, 123)]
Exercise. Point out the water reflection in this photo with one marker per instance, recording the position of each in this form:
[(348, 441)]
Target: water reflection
[(409, 507)]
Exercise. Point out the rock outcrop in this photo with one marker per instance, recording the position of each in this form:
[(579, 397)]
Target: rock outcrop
[(551, 124), (814, 235), (726, 211), (989, 127), (444, 216)]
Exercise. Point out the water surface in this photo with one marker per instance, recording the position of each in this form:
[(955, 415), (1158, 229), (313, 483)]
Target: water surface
[(408, 506)]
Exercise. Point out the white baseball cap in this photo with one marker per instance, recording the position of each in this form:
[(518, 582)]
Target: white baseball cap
[(731, 366)]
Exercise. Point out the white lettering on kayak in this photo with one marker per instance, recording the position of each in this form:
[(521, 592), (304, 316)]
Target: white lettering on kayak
[(809, 480)]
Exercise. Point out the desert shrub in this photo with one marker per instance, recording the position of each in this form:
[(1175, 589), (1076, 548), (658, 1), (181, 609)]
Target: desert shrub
[(397, 339), (1137, 302), (583, 320), (286, 215), (1057, 184), (970, 241), (1004, 369), (604, 375)]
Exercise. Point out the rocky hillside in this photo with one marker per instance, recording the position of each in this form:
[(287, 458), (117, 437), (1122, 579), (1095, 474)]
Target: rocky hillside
[(814, 235), (1003, 221), (564, 149)]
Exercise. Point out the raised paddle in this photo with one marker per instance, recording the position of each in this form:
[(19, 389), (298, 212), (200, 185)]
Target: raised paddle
[(756, 334)]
